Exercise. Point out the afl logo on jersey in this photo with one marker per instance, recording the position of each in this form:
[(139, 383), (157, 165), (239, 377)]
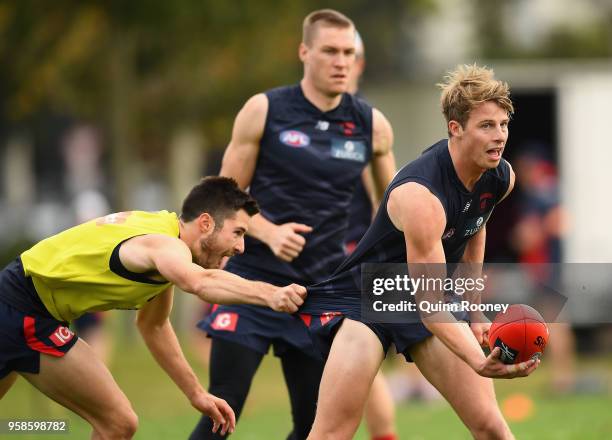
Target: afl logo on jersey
[(294, 138)]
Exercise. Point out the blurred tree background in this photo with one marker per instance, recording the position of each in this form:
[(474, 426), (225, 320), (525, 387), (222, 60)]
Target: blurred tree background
[(144, 71)]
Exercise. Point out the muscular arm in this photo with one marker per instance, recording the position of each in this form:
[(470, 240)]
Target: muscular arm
[(383, 160), (154, 325), (239, 162), (420, 215), (172, 259), (240, 155)]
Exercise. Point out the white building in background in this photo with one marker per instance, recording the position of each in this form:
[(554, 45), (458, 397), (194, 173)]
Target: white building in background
[(449, 34)]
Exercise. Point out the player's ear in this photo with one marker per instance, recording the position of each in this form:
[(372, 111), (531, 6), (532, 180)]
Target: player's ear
[(455, 128), (302, 51), (206, 223)]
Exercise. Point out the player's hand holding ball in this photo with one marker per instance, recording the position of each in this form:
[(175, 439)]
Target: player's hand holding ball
[(288, 299), (517, 339)]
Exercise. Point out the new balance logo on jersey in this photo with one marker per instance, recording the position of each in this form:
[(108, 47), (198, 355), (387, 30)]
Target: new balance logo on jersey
[(467, 206), (322, 125)]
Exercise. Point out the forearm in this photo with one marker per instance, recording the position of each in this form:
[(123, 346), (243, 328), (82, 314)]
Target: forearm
[(222, 287), (457, 337), (471, 267), (164, 346), (261, 228)]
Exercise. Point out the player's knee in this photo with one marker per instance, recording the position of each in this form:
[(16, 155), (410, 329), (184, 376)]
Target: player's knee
[(342, 426), (335, 433), (122, 425), (490, 426)]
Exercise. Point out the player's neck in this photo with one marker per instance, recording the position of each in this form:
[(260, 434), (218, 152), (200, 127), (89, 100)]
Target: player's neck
[(187, 233), (467, 172), (320, 100)]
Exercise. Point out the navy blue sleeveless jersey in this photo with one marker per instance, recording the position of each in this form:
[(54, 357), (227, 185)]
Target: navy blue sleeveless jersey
[(308, 166), (466, 213), (360, 217)]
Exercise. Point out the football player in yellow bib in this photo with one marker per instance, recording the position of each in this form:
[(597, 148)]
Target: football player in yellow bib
[(127, 260)]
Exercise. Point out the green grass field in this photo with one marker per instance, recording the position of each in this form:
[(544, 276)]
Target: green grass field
[(165, 414)]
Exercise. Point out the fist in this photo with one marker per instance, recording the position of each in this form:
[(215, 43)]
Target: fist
[(288, 299), (286, 242)]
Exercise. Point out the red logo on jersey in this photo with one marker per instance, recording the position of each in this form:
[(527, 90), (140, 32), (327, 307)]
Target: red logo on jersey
[(61, 336), (225, 321), (483, 201), (348, 128), (328, 316)]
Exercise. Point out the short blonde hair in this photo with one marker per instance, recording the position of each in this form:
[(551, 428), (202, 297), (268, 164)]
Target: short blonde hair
[(468, 86), (326, 17)]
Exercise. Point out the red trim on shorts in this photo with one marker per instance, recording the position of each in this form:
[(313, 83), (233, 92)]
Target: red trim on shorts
[(306, 318), (214, 307), (29, 330), (328, 316)]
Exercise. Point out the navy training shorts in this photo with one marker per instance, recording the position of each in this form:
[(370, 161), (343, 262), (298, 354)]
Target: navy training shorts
[(259, 327), (25, 329)]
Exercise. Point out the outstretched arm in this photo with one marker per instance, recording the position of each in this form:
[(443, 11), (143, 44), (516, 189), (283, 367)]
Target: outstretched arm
[(154, 325), (172, 259)]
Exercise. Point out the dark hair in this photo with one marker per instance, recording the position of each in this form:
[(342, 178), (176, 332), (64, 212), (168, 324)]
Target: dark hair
[(218, 196)]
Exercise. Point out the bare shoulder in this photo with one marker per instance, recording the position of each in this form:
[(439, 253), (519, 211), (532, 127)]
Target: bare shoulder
[(251, 119), (257, 103), (413, 204), (256, 107), (382, 133), (148, 252)]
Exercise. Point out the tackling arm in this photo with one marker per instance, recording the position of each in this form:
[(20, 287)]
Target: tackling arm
[(154, 325), (172, 259)]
